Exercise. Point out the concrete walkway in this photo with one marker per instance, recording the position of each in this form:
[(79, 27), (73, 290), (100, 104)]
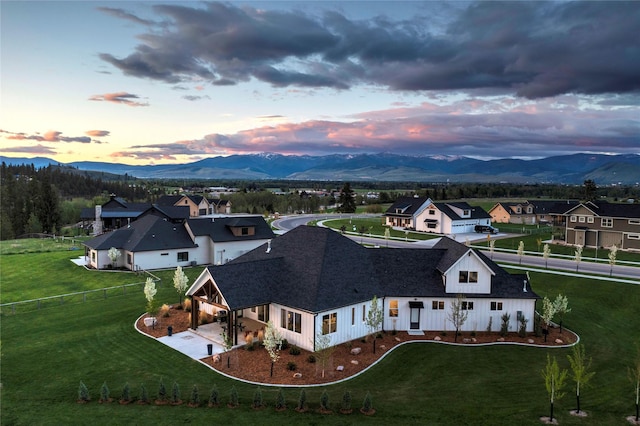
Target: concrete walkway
[(191, 344)]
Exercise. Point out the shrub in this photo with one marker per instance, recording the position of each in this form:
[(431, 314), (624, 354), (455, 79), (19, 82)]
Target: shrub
[(302, 401), (346, 401), (294, 350), (311, 359), (284, 345), (522, 330), (324, 400), (490, 324), (164, 310), (281, 404), (195, 396), (104, 393), (186, 305), (126, 393), (504, 327), (234, 399), (175, 394), (291, 366), (203, 318), (366, 404), (213, 396), (250, 346), (83, 393), (144, 395), (257, 398), (162, 391)]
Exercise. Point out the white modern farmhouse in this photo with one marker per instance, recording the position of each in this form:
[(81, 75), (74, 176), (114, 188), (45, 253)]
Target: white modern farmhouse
[(314, 280)]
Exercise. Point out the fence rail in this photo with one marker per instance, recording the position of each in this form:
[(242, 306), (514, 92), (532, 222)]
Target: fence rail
[(76, 297)]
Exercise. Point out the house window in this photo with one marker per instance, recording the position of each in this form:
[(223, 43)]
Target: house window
[(183, 256), (329, 323), (467, 306), (245, 231), (393, 308), (581, 219), (353, 316), (633, 236), (93, 256), (261, 313), (634, 221), (437, 305), (468, 277), (607, 222), (573, 219), (291, 320), (253, 309), (496, 306), (129, 258), (590, 219), (432, 212), (364, 309)]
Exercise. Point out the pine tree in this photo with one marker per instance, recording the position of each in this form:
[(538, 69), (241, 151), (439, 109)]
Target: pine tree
[(302, 401), (194, 401), (83, 393), (257, 398), (281, 403), (233, 397), (214, 397)]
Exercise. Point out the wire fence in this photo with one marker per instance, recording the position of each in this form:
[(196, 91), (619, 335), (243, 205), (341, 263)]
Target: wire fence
[(76, 297)]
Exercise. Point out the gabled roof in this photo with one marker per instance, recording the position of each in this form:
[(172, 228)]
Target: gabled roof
[(219, 228), (476, 212), (406, 206), (604, 209), (316, 269), (148, 233)]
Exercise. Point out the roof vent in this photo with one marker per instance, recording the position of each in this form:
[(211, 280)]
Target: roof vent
[(268, 246)]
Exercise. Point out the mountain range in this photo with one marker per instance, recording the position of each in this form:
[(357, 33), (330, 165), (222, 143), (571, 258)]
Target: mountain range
[(566, 169)]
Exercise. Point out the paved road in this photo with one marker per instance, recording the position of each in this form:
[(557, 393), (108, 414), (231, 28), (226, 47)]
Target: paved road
[(584, 267)]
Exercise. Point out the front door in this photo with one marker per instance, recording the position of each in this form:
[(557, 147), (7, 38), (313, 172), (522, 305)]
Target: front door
[(414, 319)]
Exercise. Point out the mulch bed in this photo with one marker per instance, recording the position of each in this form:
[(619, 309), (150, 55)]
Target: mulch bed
[(255, 365)]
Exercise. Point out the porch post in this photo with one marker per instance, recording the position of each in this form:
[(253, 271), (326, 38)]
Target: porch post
[(195, 308), (232, 329)]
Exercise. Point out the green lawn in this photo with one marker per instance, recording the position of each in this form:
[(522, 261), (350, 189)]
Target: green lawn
[(46, 353)]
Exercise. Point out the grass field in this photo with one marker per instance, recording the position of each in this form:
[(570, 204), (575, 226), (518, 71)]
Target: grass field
[(46, 353)]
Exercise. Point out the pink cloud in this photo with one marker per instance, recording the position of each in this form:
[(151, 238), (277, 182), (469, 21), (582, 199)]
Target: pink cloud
[(97, 133), (119, 98)]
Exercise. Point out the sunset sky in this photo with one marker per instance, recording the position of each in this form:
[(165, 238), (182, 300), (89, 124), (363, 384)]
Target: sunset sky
[(142, 82)]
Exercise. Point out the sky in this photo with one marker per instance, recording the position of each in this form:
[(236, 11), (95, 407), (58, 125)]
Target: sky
[(145, 82)]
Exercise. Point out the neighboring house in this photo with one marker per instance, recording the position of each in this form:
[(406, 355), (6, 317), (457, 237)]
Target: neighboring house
[(220, 206), (423, 214), (602, 224), (314, 280), (113, 214), (197, 204), (542, 212), (156, 241)]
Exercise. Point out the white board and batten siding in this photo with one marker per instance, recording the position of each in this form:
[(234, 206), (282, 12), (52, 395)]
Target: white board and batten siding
[(470, 263), (434, 315), (349, 322), (161, 259)]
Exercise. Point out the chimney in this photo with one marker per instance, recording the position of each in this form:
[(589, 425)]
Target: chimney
[(97, 224)]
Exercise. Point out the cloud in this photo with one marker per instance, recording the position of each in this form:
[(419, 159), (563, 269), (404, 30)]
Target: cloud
[(530, 49), (34, 150), (97, 133), (511, 127), (49, 136), (195, 98), (121, 13), (119, 98)]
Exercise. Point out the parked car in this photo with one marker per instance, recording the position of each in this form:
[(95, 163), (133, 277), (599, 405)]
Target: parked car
[(486, 229)]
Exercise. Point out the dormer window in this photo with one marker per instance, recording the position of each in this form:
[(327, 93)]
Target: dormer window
[(468, 277)]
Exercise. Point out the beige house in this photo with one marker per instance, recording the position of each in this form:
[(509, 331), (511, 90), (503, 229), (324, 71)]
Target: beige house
[(543, 212)]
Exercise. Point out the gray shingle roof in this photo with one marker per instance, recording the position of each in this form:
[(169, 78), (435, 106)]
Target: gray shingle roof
[(219, 228)]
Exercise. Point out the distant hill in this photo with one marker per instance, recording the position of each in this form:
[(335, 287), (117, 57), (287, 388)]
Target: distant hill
[(567, 169)]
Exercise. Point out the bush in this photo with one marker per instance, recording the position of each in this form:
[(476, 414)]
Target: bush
[(162, 391), (257, 398), (164, 310), (104, 393), (302, 401), (186, 305), (195, 396), (175, 394), (291, 366), (234, 399), (324, 400), (284, 345), (490, 324), (281, 404), (144, 395), (294, 350), (126, 393), (311, 359), (214, 396), (366, 404), (522, 330), (83, 393), (346, 401), (504, 327)]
